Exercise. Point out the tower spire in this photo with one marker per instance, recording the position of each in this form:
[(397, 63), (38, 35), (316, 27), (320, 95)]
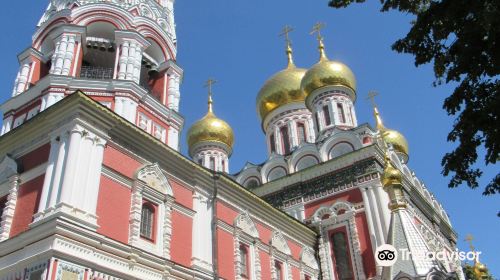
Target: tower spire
[(317, 29), (208, 84), (289, 52)]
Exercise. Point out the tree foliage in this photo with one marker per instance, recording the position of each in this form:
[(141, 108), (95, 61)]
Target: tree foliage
[(462, 40)]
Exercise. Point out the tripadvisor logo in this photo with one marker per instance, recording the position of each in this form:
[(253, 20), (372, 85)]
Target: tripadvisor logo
[(387, 255)]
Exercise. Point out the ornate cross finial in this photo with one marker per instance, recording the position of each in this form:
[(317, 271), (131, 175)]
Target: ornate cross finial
[(469, 239), (371, 96), (317, 29), (208, 84), (285, 32)]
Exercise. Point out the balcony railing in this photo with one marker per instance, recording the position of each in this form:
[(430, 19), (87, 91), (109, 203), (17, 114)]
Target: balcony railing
[(96, 73)]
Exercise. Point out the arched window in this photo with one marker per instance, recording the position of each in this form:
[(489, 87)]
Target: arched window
[(147, 221), (252, 183), (341, 257), (340, 149), (285, 138), (326, 113), (340, 111), (276, 173), (301, 133)]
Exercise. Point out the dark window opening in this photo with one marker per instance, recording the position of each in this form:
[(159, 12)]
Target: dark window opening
[(279, 270), (244, 261), (272, 143), (212, 163), (341, 113), (326, 113), (341, 256), (147, 221), (286, 139)]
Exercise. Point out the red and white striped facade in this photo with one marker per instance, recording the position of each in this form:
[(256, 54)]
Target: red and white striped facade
[(107, 195)]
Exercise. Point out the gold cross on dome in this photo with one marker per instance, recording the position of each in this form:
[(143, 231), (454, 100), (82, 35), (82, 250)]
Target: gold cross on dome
[(285, 32), (371, 96), (469, 239), (317, 29), (209, 83)]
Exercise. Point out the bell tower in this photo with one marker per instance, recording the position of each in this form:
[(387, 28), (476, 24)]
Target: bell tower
[(120, 53)]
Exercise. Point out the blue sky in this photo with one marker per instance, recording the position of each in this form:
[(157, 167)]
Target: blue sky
[(237, 43)]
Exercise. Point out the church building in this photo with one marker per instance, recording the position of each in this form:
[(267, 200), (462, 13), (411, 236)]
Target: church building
[(93, 185)]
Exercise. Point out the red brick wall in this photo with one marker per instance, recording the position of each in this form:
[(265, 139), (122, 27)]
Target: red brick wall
[(27, 205), (182, 194), (225, 250), (34, 158), (365, 244), (265, 263), (113, 210), (181, 246), (120, 162)]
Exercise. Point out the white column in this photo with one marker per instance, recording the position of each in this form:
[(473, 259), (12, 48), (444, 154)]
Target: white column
[(47, 182), (122, 61), (22, 78), (81, 175), (58, 170), (94, 175), (377, 225), (311, 133), (369, 218), (69, 55), (292, 127), (202, 231), (68, 182), (171, 91), (10, 207), (383, 204), (59, 54)]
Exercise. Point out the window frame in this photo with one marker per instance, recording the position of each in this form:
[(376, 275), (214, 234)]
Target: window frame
[(154, 215), (245, 268)]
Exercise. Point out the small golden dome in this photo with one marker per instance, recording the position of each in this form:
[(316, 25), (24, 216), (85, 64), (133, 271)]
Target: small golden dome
[(210, 129), (398, 142), (327, 73), (391, 176), (281, 89)]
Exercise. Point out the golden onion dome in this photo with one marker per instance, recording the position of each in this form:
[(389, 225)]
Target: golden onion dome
[(328, 73), (210, 129), (398, 142), (281, 89), (393, 137), (392, 176)]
